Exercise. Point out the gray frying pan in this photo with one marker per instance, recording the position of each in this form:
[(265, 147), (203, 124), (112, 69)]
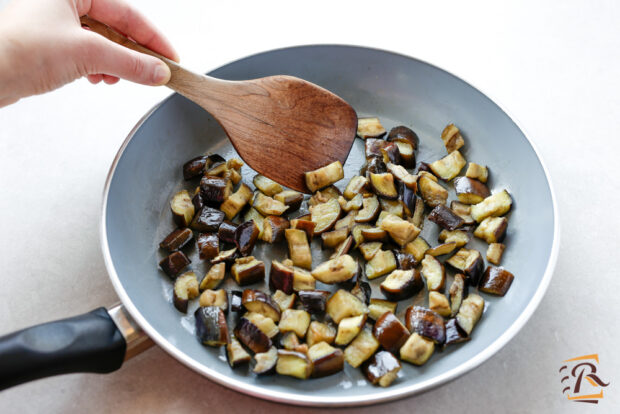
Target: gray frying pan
[(147, 172)]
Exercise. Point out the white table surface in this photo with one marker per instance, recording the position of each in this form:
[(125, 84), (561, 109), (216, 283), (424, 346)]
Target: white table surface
[(554, 65)]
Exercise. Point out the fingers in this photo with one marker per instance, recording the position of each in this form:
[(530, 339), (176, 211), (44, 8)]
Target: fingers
[(110, 80), (95, 79)]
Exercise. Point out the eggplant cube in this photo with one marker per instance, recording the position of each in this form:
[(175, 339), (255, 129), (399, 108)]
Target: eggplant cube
[(283, 300), (214, 190), (281, 277), (434, 273), (235, 353), (265, 324), (369, 249), (294, 364), (177, 239), (343, 304), (454, 333), (182, 208), (432, 192), (273, 228), (382, 369), (325, 215), (211, 327), (470, 191), (458, 291), (207, 220), (267, 206), (324, 176), (452, 139), (208, 245), (495, 252), (363, 347), (449, 166), (438, 302), (217, 298), (213, 277), (401, 231), (233, 204), (417, 350), (417, 248), (195, 167), (445, 218), (266, 361), (266, 185), (246, 236), (248, 270), (369, 128), (402, 284), (298, 247), (469, 262), (185, 288), (459, 237), (293, 320), (290, 198), (260, 302), (383, 185), (251, 336), (320, 332), (378, 307), (477, 172), (390, 332), (427, 323), (313, 301), (337, 270), (382, 263), (494, 205), (470, 312), (496, 281), (326, 360), (357, 185), (492, 229), (174, 263), (349, 328), (370, 210)]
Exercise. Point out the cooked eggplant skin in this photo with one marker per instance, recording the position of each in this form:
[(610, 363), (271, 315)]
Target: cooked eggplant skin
[(266, 362), (391, 153), (226, 231), (177, 239), (343, 304), (324, 176), (248, 270), (382, 368), (378, 307), (494, 205), (267, 206), (426, 323), (207, 220), (226, 256), (449, 166), (332, 239), (194, 167), (373, 165), (174, 263), (214, 190), (185, 288), (495, 252), (470, 191), (306, 225), (404, 260), (496, 281), (273, 228), (468, 262), (434, 273), (369, 128), (459, 237), (298, 248), (362, 291), (281, 277), (211, 328), (235, 353), (294, 364), (382, 263), (357, 185), (402, 133), (236, 301), (290, 198), (208, 245), (363, 347), (417, 248), (182, 208), (266, 185), (251, 336), (260, 302), (442, 249), (452, 139), (246, 236), (417, 350), (458, 291), (213, 277), (492, 229), (370, 210), (402, 284), (325, 215), (383, 185), (349, 328), (454, 333), (401, 231), (470, 312), (445, 218), (294, 320), (313, 301), (390, 332), (236, 201), (438, 303), (217, 298), (373, 146), (477, 172), (407, 154), (432, 192), (320, 332), (339, 269), (326, 360)]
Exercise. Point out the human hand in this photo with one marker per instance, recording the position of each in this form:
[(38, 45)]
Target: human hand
[(43, 46)]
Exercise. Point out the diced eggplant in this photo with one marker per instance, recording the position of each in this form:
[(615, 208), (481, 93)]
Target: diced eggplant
[(426, 168), (470, 191), (394, 207), (373, 165), (417, 350), (463, 211), (313, 301), (214, 190), (434, 273), (369, 249), (356, 232), (417, 217), (417, 248), (357, 185), (335, 270), (494, 205), (226, 256), (407, 154), (470, 312), (266, 185), (283, 300), (438, 303), (302, 279), (369, 211), (236, 354), (207, 220), (432, 192), (408, 200), (353, 204), (363, 347), (325, 215), (404, 261), (264, 323), (251, 336), (492, 229), (294, 364), (372, 148), (233, 175), (362, 291), (302, 224), (454, 333), (290, 198), (174, 263), (332, 239), (289, 341), (266, 362), (369, 128), (226, 232), (253, 214), (468, 262), (383, 185), (382, 263), (403, 134), (294, 320), (281, 277), (477, 172), (382, 215), (197, 200), (298, 248), (260, 302), (445, 218), (378, 307), (194, 167), (343, 248), (208, 245), (211, 328), (402, 176), (236, 301), (273, 228), (455, 236), (176, 240), (390, 332), (495, 252), (391, 153), (216, 165), (449, 166), (217, 298), (323, 196), (452, 139), (326, 360), (246, 236), (427, 323), (233, 204), (182, 208), (401, 231), (458, 291), (324, 176), (185, 288), (347, 221), (496, 281), (248, 270), (442, 249), (267, 206), (343, 304), (382, 369), (349, 328), (213, 277), (234, 164), (402, 284)]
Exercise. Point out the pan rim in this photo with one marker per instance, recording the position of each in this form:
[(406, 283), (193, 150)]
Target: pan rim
[(381, 395)]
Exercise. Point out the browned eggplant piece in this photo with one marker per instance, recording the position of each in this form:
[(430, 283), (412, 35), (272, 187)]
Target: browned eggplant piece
[(289, 341), (343, 248), (494, 205), (214, 190), (217, 298), (294, 364), (463, 211), (495, 252), (438, 303), (281, 277), (211, 328), (248, 270), (456, 236), (496, 281), (454, 333), (382, 263), (302, 279), (402, 284), (174, 263), (417, 217), (323, 196), (407, 154), (313, 301), (226, 256), (265, 324), (294, 320), (408, 199), (391, 153), (253, 214), (417, 350), (458, 291), (378, 307), (235, 353), (445, 218), (283, 300), (442, 249), (404, 261), (468, 262), (492, 229), (357, 185), (325, 215), (267, 206), (326, 360), (401, 231), (383, 185), (434, 273), (273, 228), (449, 166), (233, 175), (470, 191), (246, 236), (373, 165), (382, 369), (177, 239), (290, 198), (208, 245), (356, 232), (404, 134), (266, 362), (306, 225), (369, 128), (266, 185), (236, 301), (182, 208), (213, 277), (226, 231), (251, 336), (382, 216), (425, 322), (320, 332), (425, 167), (394, 207), (347, 221), (432, 192), (234, 164), (370, 210), (332, 239), (343, 304), (197, 201), (207, 220), (373, 146), (324, 176), (236, 201), (402, 176), (390, 332), (363, 347), (298, 248), (185, 288), (452, 139), (260, 302), (335, 270), (369, 249), (353, 204), (470, 312), (417, 248), (216, 164), (349, 328), (194, 167), (477, 172)]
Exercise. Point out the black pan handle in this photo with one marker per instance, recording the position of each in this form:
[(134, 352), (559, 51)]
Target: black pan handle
[(86, 343)]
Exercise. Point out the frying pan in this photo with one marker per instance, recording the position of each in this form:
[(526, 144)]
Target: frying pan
[(146, 173)]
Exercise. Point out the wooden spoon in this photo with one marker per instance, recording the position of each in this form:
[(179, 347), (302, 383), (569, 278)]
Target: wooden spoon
[(281, 126)]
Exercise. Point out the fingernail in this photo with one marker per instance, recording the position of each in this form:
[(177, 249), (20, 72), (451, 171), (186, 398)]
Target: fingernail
[(161, 74)]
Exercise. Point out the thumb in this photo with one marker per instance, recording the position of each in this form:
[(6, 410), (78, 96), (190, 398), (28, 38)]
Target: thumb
[(104, 56)]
